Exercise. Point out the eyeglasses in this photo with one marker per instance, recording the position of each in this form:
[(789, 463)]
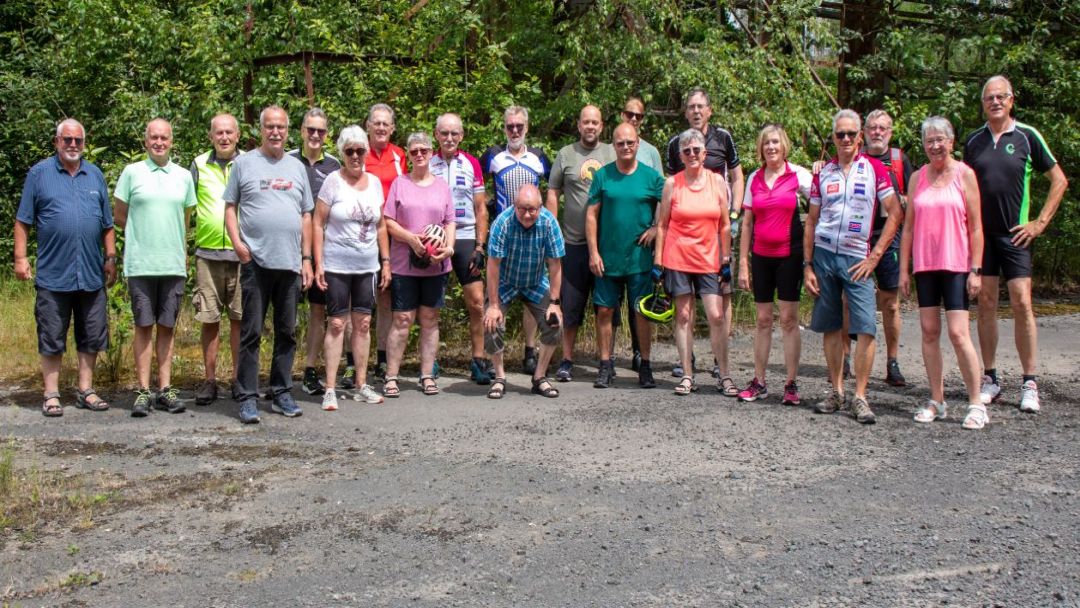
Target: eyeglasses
[(697, 106), (276, 127), (355, 151), (693, 150), (514, 127), (842, 135), (447, 133), (626, 143), (380, 123), (633, 115), (935, 141), (420, 152), (315, 131), (68, 141), (528, 210), (873, 128), (1000, 97)]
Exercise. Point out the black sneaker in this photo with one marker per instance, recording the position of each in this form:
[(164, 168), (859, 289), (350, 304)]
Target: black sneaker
[(143, 400), (379, 373), (893, 377), (644, 375), (528, 362), (234, 391), (311, 383), (847, 367), (207, 393), (604, 375), (168, 400), (635, 361), (348, 379)]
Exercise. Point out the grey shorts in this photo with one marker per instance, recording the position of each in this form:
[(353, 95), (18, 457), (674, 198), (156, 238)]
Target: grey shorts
[(155, 300), (53, 311), (494, 343), (678, 283)]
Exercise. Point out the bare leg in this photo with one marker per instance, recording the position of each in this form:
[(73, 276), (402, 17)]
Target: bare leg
[(864, 362), (397, 339), (164, 349), (930, 321), (960, 336), (1026, 335), (529, 323), (209, 339), (316, 330), (604, 316), (725, 336), (888, 302), (684, 333), (141, 345), (429, 339), (715, 313), (50, 372), (762, 339), (87, 361), (569, 336), (361, 344), (332, 344), (383, 319), (834, 357), (789, 325), (644, 335), (474, 302), (987, 323)]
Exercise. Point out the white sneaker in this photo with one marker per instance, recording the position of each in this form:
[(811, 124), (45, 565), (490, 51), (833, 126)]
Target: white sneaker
[(990, 391), (1029, 397), (367, 394), (329, 400), (976, 417)]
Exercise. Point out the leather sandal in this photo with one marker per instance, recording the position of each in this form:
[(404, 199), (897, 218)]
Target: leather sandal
[(498, 388), (52, 410), (428, 385), (685, 386), (391, 392), (82, 400), (538, 388)]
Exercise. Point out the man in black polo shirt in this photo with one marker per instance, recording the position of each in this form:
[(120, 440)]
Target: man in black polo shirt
[(1003, 153), (720, 157)]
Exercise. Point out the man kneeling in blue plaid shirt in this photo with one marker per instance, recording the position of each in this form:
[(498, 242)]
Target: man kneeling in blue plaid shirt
[(525, 247)]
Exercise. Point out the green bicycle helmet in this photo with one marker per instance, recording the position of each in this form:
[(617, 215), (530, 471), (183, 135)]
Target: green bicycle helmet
[(656, 306)]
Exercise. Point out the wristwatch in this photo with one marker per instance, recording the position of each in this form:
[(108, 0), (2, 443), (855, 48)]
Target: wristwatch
[(807, 263), (556, 301), (384, 260), (976, 270)]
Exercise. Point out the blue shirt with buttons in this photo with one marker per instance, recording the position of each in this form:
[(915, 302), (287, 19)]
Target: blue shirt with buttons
[(71, 213)]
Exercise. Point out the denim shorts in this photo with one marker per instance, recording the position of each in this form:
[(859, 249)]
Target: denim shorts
[(834, 281)]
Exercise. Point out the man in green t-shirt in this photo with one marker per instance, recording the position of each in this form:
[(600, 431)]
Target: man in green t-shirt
[(152, 202), (620, 232)]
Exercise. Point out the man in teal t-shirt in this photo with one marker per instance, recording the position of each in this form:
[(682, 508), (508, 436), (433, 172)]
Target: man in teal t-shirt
[(153, 202), (620, 233)]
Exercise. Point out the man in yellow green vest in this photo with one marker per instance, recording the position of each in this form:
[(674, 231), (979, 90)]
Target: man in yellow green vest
[(217, 268)]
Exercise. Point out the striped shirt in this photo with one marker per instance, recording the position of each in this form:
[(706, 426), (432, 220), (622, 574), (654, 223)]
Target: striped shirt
[(524, 253)]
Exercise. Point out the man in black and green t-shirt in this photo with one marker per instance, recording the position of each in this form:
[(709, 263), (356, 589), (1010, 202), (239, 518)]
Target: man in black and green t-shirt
[(1004, 152)]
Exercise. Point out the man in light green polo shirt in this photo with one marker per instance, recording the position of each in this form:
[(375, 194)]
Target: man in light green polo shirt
[(153, 201)]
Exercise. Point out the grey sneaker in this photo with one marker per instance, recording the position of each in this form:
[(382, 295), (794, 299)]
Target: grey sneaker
[(143, 399), (833, 403), (283, 404), (348, 378), (566, 371), (207, 393), (367, 394), (169, 400), (861, 411), (604, 375), (249, 411)]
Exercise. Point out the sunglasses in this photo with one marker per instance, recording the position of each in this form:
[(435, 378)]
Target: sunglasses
[(693, 150), (355, 151), (842, 135), (315, 131), (78, 141), (514, 127), (628, 143), (1000, 97), (419, 151), (633, 115)]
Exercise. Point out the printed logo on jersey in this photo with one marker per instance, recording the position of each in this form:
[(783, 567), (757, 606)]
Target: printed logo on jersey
[(860, 189), (1009, 148), (588, 169), (854, 226), (275, 184), (832, 188), (859, 168)]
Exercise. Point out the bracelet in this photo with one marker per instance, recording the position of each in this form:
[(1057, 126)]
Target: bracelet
[(384, 260), (110, 258), (306, 257)]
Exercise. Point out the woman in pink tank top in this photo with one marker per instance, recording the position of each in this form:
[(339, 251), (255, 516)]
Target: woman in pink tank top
[(943, 235), (693, 235)]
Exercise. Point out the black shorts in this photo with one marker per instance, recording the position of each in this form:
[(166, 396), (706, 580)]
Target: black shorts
[(410, 293), (314, 295), (155, 300), (53, 311), (463, 252), (1002, 258), (939, 286), (577, 284), (781, 277), (350, 293), (887, 271)]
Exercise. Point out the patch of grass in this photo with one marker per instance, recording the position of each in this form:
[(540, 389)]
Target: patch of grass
[(75, 580)]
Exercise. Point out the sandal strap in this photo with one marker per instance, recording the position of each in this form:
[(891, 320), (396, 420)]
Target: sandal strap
[(86, 393), (51, 395)]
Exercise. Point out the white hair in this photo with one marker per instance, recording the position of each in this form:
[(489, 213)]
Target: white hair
[(352, 134), (846, 113)]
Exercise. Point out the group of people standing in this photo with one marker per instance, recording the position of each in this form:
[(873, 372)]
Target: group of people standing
[(378, 232)]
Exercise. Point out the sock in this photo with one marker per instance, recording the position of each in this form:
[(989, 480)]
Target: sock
[(1029, 377), (349, 360), (309, 369), (992, 373), (529, 350), (380, 356)]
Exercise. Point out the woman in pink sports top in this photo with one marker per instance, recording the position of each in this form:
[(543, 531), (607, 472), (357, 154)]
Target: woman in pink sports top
[(943, 235), (693, 235)]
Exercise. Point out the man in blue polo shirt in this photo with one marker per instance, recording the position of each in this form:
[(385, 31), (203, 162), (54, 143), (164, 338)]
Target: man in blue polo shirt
[(65, 198)]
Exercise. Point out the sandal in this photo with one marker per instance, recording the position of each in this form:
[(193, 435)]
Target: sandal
[(82, 400), (498, 388), (538, 388), (428, 385), (52, 410), (391, 392), (976, 417), (685, 386), (727, 387), (931, 411)]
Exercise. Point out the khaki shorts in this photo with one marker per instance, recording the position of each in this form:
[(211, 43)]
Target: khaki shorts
[(216, 283)]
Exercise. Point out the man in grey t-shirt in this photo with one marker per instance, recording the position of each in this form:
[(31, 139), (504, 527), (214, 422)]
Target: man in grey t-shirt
[(268, 217), (571, 176)]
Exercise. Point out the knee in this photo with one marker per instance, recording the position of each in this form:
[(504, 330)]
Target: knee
[(429, 319), (789, 322), (336, 325), (604, 314), (765, 321), (682, 317), (402, 321), (362, 324), (931, 334), (958, 335)]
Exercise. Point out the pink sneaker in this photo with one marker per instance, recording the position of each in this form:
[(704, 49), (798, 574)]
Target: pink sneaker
[(791, 394), (755, 391)]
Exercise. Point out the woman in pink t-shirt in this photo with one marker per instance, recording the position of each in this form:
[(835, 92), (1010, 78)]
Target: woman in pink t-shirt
[(693, 235), (419, 280), (771, 221), (943, 234)]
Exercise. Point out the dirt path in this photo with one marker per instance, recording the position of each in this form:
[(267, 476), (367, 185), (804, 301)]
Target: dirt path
[(621, 497)]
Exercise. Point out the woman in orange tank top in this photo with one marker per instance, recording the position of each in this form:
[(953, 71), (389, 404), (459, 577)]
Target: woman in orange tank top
[(693, 235)]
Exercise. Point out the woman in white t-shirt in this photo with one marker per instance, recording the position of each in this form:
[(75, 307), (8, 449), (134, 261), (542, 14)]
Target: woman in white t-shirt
[(352, 259)]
